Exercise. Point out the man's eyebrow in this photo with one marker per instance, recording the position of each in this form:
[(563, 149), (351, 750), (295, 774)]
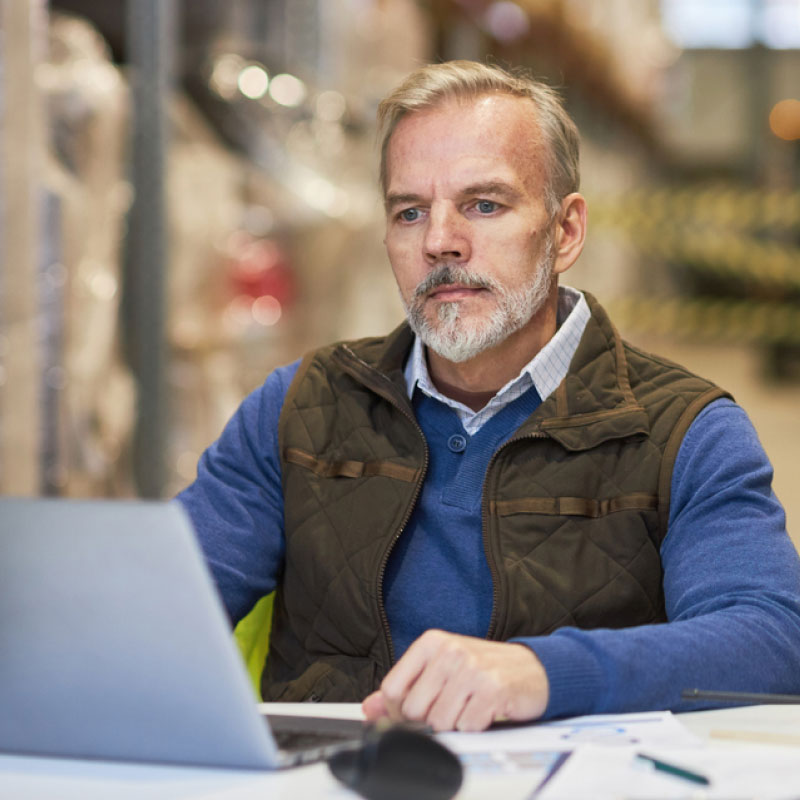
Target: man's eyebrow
[(393, 200), (500, 188)]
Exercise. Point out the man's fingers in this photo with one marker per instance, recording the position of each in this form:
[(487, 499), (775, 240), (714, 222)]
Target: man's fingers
[(471, 698), (439, 678), (458, 682), (374, 706), (447, 708), (442, 683), (400, 683), (480, 710)]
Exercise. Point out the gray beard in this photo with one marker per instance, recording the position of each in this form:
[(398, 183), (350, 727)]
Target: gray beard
[(457, 339)]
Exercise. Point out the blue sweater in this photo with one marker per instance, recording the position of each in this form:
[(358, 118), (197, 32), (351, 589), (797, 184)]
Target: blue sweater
[(731, 574)]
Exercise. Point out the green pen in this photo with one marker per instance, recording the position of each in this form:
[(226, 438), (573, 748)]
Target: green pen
[(673, 769)]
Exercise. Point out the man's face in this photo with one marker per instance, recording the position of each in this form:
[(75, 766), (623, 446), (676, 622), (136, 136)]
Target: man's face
[(467, 231)]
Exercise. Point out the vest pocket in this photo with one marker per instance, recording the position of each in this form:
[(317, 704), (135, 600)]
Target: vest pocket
[(575, 506), (349, 468)]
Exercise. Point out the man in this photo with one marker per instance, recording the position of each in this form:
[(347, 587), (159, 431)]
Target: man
[(502, 511)]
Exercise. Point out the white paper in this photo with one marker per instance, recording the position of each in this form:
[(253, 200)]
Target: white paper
[(528, 752), (658, 728), (746, 773)]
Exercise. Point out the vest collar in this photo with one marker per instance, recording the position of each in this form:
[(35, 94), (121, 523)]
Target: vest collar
[(378, 363), (593, 404)]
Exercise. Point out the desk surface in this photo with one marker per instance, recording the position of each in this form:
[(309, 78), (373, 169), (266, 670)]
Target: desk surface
[(51, 779)]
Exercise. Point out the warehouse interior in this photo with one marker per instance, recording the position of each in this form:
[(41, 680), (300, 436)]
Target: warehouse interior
[(189, 198)]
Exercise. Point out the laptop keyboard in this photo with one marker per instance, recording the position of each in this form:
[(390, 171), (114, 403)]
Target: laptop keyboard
[(299, 733), (291, 740)]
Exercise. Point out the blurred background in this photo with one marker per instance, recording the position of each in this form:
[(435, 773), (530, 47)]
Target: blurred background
[(188, 198)]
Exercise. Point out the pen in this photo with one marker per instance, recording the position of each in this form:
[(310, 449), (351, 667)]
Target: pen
[(755, 698), (672, 769)]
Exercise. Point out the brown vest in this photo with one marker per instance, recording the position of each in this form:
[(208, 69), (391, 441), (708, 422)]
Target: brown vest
[(575, 504)]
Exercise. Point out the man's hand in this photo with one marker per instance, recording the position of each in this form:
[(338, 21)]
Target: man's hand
[(455, 682)]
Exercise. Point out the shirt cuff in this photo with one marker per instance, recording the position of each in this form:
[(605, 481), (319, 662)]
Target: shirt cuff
[(574, 675)]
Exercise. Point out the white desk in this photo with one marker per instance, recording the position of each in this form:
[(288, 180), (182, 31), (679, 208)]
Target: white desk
[(765, 724), (53, 779)]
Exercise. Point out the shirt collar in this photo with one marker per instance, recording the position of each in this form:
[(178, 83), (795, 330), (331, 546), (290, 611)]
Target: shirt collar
[(544, 371)]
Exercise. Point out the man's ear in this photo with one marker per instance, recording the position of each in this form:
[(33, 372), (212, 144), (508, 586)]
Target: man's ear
[(569, 232)]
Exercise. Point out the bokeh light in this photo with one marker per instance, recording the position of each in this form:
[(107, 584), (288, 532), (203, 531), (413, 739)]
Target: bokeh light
[(286, 90), (506, 21), (331, 106), (784, 119), (253, 81)]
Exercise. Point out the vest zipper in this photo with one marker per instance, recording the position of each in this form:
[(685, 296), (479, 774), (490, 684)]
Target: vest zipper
[(409, 511), (490, 633), (390, 394)]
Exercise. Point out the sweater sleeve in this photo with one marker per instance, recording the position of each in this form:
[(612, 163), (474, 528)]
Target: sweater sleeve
[(236, 501), (731, 586)]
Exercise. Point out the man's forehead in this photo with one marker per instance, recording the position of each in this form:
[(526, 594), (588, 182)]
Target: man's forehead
[(492, 138), (484, 112)]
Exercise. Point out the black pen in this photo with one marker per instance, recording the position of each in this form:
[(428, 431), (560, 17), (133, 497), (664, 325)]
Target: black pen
[(753, 698), (673, 769)]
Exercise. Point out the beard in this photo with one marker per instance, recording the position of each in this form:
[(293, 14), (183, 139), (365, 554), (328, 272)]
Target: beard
[(457, 338)]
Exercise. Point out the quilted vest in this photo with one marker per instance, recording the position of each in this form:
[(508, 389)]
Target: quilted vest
[(575, 504)]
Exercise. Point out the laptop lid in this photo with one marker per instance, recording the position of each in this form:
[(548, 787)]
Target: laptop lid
[(113, 640)]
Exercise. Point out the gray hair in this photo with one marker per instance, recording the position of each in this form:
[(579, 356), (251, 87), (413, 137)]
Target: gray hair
[(435, 84)]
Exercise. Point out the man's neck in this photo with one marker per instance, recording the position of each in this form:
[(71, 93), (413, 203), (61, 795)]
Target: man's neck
[(476, 381)]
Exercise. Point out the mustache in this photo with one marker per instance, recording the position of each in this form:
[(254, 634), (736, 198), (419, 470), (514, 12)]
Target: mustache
[(445, 274)]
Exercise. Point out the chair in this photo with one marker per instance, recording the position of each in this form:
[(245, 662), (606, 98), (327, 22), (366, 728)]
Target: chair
[(252, 636)]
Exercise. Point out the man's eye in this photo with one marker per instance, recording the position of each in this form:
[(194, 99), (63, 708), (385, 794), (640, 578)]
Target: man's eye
[(409, 214), (486, 206)]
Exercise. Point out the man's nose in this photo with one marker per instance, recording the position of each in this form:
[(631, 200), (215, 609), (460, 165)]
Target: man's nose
[(447, 236)]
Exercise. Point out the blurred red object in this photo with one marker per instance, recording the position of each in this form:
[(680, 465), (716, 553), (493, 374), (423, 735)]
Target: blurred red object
[(260, 268)]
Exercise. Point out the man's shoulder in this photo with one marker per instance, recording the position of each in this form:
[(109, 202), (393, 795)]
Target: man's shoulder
[(618, 371), (636, 356), (653, 368), (658, 361)]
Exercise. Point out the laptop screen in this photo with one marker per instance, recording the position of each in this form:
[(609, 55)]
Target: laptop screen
[(114, 641)]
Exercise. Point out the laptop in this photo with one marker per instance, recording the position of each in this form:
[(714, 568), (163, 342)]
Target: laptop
[(114, 644)]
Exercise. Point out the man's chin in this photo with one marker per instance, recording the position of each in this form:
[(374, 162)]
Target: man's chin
[(464, 313), (458, 345)]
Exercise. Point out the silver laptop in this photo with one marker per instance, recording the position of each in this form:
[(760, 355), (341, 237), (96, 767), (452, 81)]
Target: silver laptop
[(114, 643)]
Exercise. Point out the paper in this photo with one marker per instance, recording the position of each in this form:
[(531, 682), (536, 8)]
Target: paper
[(747, 773), (538, 753), (494, 761), (512, 775), (654, 729)]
